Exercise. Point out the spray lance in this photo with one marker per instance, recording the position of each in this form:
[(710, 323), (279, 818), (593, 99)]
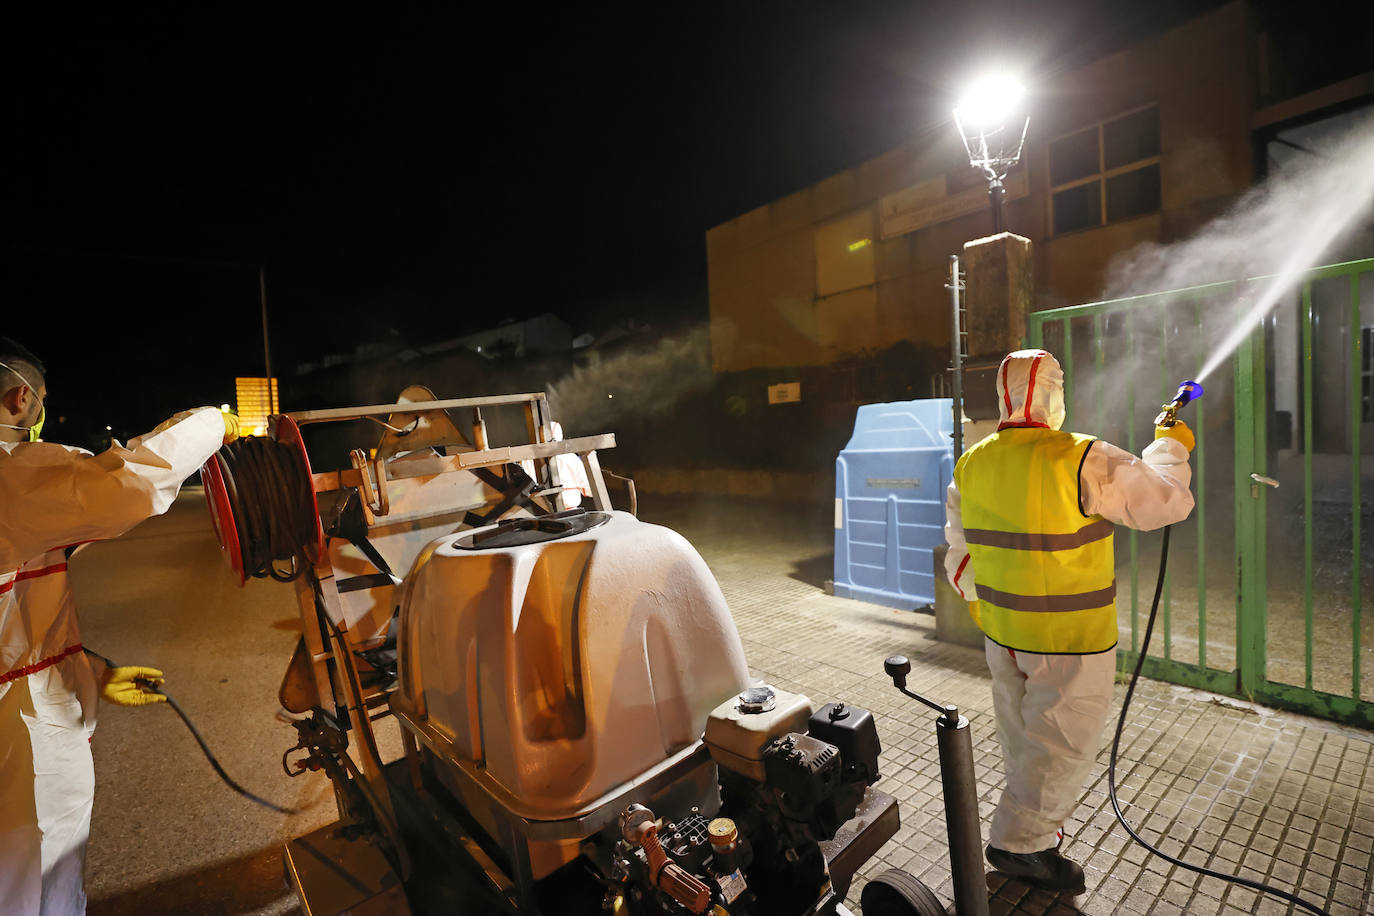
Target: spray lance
[(1188, 391)]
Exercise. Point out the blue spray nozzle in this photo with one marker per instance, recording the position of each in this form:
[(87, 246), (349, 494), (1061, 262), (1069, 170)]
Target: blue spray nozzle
[(1188, 391)]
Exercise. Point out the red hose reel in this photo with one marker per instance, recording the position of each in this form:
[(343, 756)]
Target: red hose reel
[(221, 501)]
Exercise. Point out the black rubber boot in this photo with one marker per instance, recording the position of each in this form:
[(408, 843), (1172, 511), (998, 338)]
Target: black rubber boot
[(1046, 868)]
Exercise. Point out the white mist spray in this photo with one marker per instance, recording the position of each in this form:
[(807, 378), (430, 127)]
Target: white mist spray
[(1288, 222), (642, 379)]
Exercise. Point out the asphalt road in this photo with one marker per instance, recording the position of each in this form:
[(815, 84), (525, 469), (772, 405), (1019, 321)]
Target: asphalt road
[(166, 835)]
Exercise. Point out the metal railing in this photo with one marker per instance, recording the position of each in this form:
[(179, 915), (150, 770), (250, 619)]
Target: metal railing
[(1122, 358)]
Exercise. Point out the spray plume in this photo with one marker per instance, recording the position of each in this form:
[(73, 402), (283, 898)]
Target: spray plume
[(640, 380), (1286, 223)]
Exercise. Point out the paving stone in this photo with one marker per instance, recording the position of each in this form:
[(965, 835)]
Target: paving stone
[(1242, 898), (1351, 874), (1166, 908), (1350, 895), (1202, 905)]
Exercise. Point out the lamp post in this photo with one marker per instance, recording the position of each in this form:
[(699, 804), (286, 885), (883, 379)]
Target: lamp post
[(992, 119)]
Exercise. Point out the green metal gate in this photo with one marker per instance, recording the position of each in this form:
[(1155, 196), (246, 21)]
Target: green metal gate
[(1264, 598)]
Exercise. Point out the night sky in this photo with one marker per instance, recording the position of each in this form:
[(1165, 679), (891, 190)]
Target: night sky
[(432, 172)]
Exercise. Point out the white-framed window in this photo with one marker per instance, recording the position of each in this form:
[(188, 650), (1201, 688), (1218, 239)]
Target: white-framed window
[(1106, 172)]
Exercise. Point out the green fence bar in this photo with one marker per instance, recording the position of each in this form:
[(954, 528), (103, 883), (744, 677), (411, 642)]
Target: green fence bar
[(1167, 391), (1100, 346), (1248, 366), (1250, 617), (1307, 508), (1355, 405), (1200, 510), (1066, 361), (1130, 446)]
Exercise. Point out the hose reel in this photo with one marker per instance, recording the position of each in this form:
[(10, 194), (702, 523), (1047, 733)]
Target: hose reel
[(262, 502)]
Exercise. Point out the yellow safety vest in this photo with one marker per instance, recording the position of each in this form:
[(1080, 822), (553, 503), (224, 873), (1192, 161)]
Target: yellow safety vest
[(1046, 575)]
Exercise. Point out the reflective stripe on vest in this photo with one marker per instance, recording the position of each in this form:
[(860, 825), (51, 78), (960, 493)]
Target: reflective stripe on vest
[(1045, 573)]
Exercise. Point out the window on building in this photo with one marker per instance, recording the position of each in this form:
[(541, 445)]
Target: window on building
[(844, 253), (1107, 172)]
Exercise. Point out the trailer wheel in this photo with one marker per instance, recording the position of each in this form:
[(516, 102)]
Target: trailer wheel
[(896, 893)]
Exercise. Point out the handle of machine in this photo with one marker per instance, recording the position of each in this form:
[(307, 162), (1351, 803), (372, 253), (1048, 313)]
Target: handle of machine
[(897, 668), (960, 789), (375, 499)]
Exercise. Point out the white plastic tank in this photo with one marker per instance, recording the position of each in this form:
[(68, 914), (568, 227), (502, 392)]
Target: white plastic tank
[(560, 665)]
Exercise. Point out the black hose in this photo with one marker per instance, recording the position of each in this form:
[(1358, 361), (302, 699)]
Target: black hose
[(205, 748), (1116, 745), (273, 507), (228, 781)]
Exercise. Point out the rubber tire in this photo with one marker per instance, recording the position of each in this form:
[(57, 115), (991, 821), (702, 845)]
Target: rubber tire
[(896, 893)]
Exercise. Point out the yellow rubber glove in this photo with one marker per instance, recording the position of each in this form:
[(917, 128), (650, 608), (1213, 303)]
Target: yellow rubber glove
[(973, 612), (1179, 431), (231, 427), (120, 686)]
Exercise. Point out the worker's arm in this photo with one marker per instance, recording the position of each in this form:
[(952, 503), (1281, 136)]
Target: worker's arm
[(1144, 493), (54, 496), (958, 569)]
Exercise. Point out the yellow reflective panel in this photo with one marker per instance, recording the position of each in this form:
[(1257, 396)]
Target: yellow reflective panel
[(861, 243), (257, 400)]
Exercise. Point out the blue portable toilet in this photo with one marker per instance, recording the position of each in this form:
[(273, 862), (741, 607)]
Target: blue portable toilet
[(890, 483)]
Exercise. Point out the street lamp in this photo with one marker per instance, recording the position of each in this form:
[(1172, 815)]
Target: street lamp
[(992, 119)]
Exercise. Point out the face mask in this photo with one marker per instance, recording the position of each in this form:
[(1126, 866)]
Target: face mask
[(36, 429)]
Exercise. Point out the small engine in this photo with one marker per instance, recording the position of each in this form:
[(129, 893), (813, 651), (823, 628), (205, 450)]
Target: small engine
[(789, 779)]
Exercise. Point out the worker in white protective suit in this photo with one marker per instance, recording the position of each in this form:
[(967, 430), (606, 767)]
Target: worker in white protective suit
[(52, 499), (1031, 511), (572, 476)]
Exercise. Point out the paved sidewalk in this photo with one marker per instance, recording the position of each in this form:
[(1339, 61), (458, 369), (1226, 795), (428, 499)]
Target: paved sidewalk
[(1276, 797)]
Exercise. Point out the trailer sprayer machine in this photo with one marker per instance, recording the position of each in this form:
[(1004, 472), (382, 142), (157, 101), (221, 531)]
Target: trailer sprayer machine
[(580, 733)]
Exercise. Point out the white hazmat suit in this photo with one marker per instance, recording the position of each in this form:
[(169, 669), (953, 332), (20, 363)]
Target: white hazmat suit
[(53, 498), (1051, 708)]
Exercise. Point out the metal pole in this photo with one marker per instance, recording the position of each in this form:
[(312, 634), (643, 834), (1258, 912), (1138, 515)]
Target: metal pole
[(957, 356), (961, 813), (995, 193), (266, 349)]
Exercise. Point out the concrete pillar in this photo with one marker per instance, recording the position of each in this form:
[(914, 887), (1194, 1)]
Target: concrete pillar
[(999, 291)]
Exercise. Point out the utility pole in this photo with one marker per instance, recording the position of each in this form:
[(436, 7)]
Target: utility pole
[(266, 346), (956, 354)]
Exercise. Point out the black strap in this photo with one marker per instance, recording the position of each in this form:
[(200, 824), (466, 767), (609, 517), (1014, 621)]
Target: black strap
[(348, 521), (374, 556), (359, 583), (515, 488)]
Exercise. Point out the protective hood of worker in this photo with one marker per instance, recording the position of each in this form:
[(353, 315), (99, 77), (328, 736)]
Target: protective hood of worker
[(1030, 389)]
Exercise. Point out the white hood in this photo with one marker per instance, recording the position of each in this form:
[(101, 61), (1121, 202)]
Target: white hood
[(1030, 389)]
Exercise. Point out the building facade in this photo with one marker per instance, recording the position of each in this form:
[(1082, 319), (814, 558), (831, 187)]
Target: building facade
[(1145, 145)]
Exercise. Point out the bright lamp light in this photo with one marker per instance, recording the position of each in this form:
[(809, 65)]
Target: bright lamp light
[(992, 119), (990, 101)]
